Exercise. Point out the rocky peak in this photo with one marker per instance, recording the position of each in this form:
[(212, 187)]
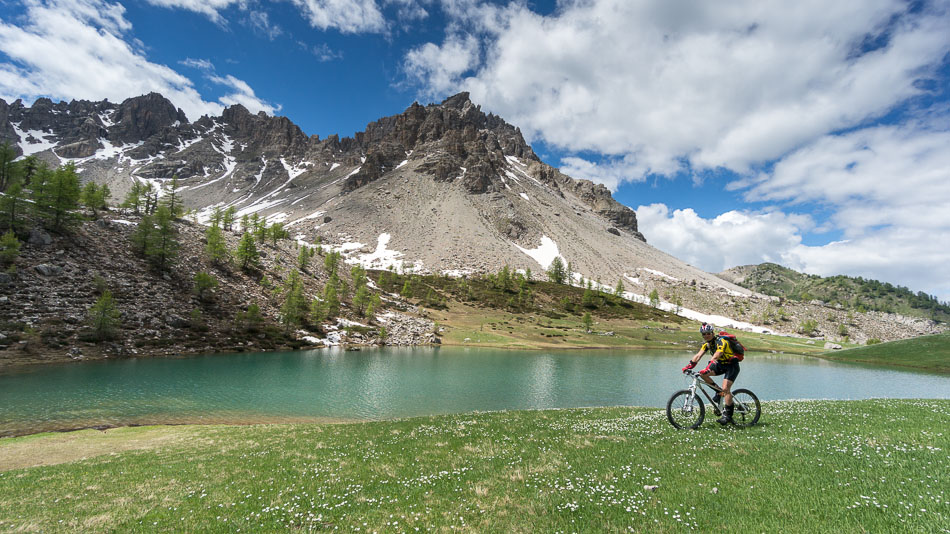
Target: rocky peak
[(273, 136), (143, 116), (448, 137)]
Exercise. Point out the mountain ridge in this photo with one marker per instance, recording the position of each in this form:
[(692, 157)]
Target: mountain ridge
[(440, 188)]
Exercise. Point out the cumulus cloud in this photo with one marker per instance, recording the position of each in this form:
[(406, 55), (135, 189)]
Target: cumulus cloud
[(733, 238), (347, 16), (885, 187), (60, 42), (878, 176), (243, 94), (210, 8), (673, 82)]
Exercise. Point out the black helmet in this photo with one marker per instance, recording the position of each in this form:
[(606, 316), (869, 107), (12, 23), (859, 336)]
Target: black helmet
[(706, 328)]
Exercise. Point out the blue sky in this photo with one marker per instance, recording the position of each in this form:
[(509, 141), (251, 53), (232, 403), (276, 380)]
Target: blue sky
[(809, 133)]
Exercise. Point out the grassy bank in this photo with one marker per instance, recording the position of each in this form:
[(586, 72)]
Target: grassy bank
[(928, 353), (816, 466)]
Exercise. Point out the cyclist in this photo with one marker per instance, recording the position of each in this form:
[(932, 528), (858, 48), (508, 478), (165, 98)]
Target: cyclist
[(723, 362)]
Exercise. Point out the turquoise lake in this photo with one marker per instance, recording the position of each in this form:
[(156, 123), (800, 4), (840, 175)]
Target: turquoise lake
[(385, 383)]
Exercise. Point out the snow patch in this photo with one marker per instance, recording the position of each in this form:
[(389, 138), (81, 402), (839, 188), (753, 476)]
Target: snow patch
[(660, 274), (314, 215), (525, 196), (545, 253), (28, 148)]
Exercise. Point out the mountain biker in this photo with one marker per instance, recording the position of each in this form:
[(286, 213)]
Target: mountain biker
[(723, 362)]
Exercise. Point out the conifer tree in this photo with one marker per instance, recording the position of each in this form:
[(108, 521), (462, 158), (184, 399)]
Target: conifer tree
[(133, 199), (104, 316), (217, 215), (619, 289), (172, 199), (295, 306), (228, 218), (361, 300), (163, 246), (9, 248), (205, 283), (215, 246), (330, 262), (655, 298), (277, 232), (7, 167), (56, 194), (247, 253), (556, 272), (303, 258), (143, 234), (330, 298), (11, 204), (358, 273), (150, 198), (588, 321), (95, 197)]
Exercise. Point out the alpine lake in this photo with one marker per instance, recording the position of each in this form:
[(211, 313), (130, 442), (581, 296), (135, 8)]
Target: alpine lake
[(328, 385)]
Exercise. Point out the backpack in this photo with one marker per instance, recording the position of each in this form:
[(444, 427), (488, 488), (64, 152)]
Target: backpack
[(737, 349)]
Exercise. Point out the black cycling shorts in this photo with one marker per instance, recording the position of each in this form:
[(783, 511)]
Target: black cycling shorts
[(731, 370)]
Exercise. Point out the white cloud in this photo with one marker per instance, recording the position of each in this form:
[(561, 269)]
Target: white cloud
[(260, 20), (886, 189), (885, 175), (62, 42), (209, 8), (733, 238), (243, 94), (347, 16), (666, 82), (611, 174), (442, 65)]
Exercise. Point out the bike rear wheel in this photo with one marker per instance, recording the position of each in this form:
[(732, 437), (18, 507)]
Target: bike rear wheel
[(685, 410), (747, 409)]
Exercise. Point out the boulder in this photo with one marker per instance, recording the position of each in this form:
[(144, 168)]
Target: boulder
[(832, 346), (47, 269), (39, 237)]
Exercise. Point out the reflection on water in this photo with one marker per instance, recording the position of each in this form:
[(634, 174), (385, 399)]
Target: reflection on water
[(400, 382)]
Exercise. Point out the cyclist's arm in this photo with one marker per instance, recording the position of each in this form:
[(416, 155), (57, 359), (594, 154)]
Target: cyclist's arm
[(699, 355)]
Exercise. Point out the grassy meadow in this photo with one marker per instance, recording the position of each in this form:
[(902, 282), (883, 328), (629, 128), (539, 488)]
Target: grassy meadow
[(930, 353), (809, 466)]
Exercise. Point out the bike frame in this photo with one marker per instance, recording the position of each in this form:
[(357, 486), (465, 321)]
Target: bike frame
[(698, 384)]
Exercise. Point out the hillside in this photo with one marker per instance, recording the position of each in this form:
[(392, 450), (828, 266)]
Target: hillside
[(852, 293)]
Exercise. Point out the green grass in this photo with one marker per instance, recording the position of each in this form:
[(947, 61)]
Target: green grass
[(929, 353), (810, 466)]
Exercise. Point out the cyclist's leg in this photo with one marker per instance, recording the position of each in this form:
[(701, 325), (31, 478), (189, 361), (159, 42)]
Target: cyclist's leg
[(727, 391), (731, 372)]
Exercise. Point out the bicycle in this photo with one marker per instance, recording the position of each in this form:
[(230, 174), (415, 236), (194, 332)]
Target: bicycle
[(685, 408)]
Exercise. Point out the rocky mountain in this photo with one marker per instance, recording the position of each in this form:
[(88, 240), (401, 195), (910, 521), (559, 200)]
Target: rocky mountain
[(443, 187), (440, 188)]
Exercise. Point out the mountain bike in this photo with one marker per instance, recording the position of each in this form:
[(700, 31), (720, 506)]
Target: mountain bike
[(685, 408)]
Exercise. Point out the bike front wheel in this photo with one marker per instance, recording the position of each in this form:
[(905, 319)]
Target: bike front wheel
[(685, 410), (747, 409)]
